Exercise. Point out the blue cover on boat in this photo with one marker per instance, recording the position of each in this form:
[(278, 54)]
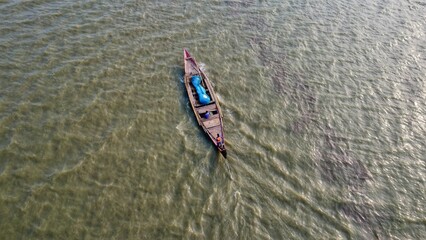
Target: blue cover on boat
[(201, 92)]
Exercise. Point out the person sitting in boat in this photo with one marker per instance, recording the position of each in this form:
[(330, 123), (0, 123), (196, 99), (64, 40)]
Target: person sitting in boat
[(206, 114), (219, 141)]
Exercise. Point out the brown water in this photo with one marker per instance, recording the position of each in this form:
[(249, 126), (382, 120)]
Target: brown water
[(324, 113)]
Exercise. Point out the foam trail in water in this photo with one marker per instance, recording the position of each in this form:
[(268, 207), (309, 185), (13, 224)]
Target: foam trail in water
[(202, 67), (181, 78)]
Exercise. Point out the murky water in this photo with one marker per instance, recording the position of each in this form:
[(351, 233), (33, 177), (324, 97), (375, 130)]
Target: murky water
[(324, 110)]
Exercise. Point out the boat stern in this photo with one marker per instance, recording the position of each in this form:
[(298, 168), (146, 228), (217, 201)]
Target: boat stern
[(224, 153)]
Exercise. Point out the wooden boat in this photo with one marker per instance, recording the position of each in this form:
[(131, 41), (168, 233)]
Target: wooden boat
[(207, 110)]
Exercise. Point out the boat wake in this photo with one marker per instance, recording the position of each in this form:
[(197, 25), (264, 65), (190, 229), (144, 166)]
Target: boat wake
[(181, 76), (228, 170), (202, 66)]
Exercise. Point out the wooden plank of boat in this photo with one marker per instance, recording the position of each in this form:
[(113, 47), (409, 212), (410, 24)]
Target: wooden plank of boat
[(211, 123)]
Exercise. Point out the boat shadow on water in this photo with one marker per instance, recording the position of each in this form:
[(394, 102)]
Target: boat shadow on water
[(179, 73)]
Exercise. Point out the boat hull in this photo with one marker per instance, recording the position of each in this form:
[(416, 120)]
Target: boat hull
[(208, 114)]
